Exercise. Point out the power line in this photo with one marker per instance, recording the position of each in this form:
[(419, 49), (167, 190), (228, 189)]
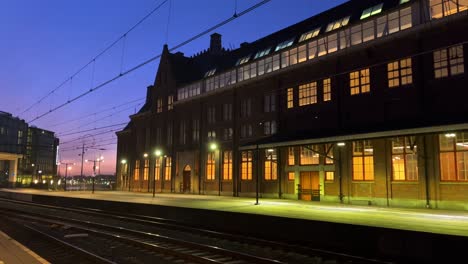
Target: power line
[(92, 129), (153, 59), (100, 112), (95, 57), (87, 136)]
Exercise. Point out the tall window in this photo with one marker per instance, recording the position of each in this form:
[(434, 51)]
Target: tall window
[(269, 103), (136, 174), (246, 165), (308, 94), (442, 8), (454, 156), (246, 107), (363, 161), (399, 73), (211, 135), (227, 112), (146, 170), (167, 173), (246, 130), (227, 134), (196, 130), (329, 152), (327, 90), (182, 132), (404, 159), (210, 166), (170, 102), (359, 81), (448, 62), (20, 138), (269, 127), (169, 134), (309, 155), (291, 158), (159, 105), (290, 98), (227, 165), (271, 172), (211, 111), (157, 168)]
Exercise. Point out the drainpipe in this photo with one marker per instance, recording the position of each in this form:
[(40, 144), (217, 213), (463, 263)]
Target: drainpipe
[(426, 174)]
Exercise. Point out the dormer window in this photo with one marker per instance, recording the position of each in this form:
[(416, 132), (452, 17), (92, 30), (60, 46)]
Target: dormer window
[(242, 60), (284, 44), (309, 35), (371, 11), (210, 72), (337, 24), (262, 53)]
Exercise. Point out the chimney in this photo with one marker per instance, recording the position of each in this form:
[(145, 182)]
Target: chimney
[(148, 94), (215, 43)]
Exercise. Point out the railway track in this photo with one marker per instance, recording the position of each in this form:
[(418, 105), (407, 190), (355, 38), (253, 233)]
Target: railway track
[(152, 237)]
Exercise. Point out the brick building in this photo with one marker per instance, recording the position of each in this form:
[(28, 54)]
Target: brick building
[(363, 104)]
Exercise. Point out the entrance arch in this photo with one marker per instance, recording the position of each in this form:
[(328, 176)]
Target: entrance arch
[(186, 179)]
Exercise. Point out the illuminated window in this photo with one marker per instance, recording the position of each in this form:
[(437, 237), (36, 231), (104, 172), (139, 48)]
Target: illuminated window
[(211, 135), (269, 127), (308, 94), (442, 8), (290, 98), (210, 73), (452, 64), (363, 161), (159, 105), (404, 159), (269, 103), (329, 175), (146, 170), (291, 157), (454, 156), (243, 60), (211, 112), (271, 163), (136, 174), (210, 166), (170, 102), (246, 165), (399, 73), (329, 153), (327, 90), (394, 22), (337, 24), (167, 173), (371, 11), (157, 168), (404, 1), (227, 165), (227, 112), (284, 44), (246, 130), (196, 130), (309, 35), (309, 155), (262, 53), (291, 176), (359, 81)]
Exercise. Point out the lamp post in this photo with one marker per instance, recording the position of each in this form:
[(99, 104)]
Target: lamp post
[(158, 154), (340, 146), (94, 168), (213, 148), (123, 162), (67, 168)]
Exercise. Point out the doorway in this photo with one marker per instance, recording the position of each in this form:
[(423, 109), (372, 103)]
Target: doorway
[(186, 179), (310, 186)]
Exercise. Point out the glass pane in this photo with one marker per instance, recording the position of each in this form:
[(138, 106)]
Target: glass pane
[(447, 166)]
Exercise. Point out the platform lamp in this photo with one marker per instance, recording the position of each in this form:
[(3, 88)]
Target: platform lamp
[(214, 147), (158, 154), (123, 162), (340, 146)]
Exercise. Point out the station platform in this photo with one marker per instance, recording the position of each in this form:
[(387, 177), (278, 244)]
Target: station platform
[(444, 222), (12, 252)]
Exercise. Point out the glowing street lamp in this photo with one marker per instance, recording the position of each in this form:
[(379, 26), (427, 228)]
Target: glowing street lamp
[(158, 154), (213, 146)]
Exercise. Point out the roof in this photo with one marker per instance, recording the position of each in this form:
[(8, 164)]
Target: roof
[(187, 70)]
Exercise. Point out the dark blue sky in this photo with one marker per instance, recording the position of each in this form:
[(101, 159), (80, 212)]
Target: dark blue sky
[(44, 42)]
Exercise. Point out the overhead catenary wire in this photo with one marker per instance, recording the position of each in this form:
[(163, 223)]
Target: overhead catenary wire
[(91, 135), (93, 60), (93, 129), (151, 59)]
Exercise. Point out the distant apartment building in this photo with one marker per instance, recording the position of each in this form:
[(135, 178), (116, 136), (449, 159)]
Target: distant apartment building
[(364, 103), (26, 153)]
